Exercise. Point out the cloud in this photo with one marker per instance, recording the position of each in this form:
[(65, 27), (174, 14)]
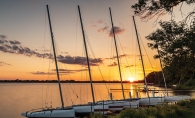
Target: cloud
[(34, 3), (103, 29), (93, 26), (15, 47), (117, 30), (69, 71), (100, 21), (79, 60), (120, 56), (2, 36), (113, 64), (3, 63), (14, 42), (42, 73), (61, 71), (129, 66)]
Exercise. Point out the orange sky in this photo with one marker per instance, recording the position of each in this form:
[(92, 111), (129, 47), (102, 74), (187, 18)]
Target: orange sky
[(25, 27)]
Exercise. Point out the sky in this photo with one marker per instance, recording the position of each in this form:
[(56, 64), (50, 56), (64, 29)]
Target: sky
[(26, 49)]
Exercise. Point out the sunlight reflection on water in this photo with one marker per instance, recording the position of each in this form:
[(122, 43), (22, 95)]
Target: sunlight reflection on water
[(21, 97)]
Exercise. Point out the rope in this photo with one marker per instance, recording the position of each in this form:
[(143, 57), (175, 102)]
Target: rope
[(124, 53)]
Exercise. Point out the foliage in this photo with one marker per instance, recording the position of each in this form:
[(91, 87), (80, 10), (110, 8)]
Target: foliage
[(147, 9), (99, 115), (160, 111), (176, 45)]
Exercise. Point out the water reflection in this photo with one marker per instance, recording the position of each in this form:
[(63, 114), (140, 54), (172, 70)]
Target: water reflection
[(20, 97)]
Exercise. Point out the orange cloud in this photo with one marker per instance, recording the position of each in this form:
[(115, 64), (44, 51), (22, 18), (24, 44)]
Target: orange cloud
[(93, 26), (100, 21), (117, 30)]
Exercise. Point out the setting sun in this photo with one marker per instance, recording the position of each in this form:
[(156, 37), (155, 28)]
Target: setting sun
[(131, 79)]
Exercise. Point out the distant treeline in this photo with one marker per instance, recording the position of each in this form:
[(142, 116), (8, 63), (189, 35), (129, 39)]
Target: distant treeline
[(64, 81)]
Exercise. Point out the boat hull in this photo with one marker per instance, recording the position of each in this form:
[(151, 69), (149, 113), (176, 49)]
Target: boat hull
[(113, 105), (131, 104), (87, 109), (103, 109), (184, 97), (149, 101), (172, 99), (51, 114)]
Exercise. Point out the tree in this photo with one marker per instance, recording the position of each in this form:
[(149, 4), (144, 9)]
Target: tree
[(176, 45), (147, 9)]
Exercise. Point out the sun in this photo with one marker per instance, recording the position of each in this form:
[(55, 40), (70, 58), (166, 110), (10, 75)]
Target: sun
[(131, 79)]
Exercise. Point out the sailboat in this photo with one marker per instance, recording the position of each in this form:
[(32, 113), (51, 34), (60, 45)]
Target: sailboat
[(171, 98), (92, 107), (65, 112), (118, 105), (149, 100)]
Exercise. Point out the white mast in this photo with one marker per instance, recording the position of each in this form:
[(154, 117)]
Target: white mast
[(141, 56), (55, 57)]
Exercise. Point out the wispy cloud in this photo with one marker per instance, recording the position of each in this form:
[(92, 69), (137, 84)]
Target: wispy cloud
[(103, 29), (113, 64), (117, 30), (69, 71), (93, 26), (34, 3), (79, 60), (61, 71), (43, 73), (3, 63), (128, 66), (100, 21), (15, 47), (120, 56)]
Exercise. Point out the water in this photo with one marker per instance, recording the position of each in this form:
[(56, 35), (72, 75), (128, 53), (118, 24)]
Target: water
[(17, 98)]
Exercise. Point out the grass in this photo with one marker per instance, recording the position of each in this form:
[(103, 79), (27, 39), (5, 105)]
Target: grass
[(183, 109)]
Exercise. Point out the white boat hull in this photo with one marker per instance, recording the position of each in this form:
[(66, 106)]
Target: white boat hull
[(113, 105), (101, 109), (172, 99), (161, 100), (51, 114), (184, 97), (87, 109), (83, 109), (131, 104), (149, 101)]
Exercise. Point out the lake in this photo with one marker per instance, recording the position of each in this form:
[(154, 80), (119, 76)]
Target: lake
[(17, 98)]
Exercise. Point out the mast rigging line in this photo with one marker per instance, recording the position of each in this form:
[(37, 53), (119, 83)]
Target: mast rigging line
[(146, 52), (95, 58), (86, 55), (141, 56), (55, 56), (116, 52), (124, 53)]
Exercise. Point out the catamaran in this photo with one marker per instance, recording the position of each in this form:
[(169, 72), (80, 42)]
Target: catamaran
[(92, 107), (59, 112), (149, 100)]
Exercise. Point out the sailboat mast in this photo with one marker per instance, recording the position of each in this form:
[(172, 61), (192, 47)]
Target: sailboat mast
[(55, 57), (117, 54), (141, 56), (162, 71), (86, 54)]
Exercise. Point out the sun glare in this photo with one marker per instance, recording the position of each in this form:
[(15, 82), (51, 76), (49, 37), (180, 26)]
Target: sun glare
[(131, 79)]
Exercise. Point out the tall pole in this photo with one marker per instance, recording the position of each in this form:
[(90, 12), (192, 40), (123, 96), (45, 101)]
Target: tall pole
[(141, 56), (86, 54), (55, 56), (117, 54), (162, 71)]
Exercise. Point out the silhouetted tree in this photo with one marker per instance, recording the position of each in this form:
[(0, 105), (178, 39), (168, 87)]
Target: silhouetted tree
[(147, 9), (176, 44)]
